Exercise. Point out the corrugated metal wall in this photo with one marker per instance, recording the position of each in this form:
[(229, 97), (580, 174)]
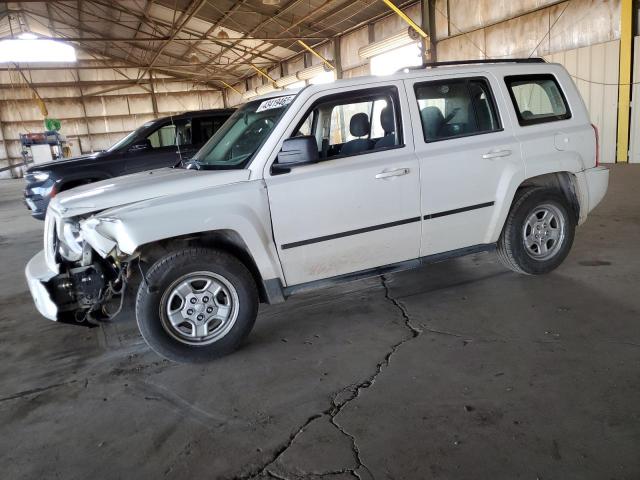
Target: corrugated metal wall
[(467, 29), (502, 29), (97, 121), (594, 70), (634, 143)]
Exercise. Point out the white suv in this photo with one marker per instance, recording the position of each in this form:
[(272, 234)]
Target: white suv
[(333, 182)]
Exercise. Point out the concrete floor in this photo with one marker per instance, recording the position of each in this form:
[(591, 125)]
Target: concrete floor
[(460, 370)]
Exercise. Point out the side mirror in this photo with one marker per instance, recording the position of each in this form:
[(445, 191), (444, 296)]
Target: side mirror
[(139, 145), (296, 151)]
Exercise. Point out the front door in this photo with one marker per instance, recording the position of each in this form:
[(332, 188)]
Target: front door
[(468, 157), (358, 207)]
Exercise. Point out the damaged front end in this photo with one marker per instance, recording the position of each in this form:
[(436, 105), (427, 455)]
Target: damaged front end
[(69, 281)]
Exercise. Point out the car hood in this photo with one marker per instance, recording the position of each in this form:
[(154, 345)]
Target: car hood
[(137, 187), (63, 162)]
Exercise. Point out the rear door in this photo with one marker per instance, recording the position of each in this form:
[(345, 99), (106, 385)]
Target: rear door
[(468, 156)]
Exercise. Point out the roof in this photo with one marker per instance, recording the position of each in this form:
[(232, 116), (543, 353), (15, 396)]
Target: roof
[(515, 66), (213, 42)]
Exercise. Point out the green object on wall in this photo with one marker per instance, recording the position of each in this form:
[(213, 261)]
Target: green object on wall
[(52, 124)]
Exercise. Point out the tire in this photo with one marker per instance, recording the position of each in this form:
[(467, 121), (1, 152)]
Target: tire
[(175, 288), (518, 246)]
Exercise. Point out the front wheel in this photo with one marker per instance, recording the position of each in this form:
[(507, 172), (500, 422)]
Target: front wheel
[(196, 304), (538, 232)]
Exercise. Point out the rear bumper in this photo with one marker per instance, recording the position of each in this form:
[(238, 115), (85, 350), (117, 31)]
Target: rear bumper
[(38, 274), (592, 185), (597, 180)]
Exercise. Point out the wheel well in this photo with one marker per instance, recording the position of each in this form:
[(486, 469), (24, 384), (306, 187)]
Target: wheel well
[(225, 240), (564, 182)]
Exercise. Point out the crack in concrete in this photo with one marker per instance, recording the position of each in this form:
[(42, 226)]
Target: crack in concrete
[(278, 453), (357, 389), (308, 474), (341, 399)]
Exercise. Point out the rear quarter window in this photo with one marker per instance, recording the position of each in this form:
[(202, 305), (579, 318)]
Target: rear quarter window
[(537, 99)]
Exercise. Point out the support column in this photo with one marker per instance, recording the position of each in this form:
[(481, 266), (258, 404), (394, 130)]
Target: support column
[(154, 100), (624, 85), (84, 113), (429, 26), (225, 98), (337, 57), (4, 153)]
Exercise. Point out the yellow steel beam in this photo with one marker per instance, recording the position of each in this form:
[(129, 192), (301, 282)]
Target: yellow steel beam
[(326, 62), (265, 75), (231, 87), (624, 80), (404, 16)]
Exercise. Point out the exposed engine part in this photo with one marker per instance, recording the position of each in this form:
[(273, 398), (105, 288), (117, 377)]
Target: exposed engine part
[(88, 282), (87, 289), (87, 255), (80, 287)]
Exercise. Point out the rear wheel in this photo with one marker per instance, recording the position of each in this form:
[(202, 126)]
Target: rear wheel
[(538, 232), (196, 304)]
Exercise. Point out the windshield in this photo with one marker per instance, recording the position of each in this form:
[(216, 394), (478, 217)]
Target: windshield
[(239, 138), (127, 140)]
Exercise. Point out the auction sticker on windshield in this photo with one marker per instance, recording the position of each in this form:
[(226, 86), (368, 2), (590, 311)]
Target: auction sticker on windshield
[(277, 102)]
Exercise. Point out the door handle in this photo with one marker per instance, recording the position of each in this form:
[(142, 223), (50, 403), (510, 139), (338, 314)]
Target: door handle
[(393, 173), (496, 154)]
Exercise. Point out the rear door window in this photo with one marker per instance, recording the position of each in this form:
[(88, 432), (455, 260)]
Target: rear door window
[(456, 108), (537, 99)]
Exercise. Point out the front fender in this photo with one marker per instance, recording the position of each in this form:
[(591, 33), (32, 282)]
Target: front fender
[(242, 208)]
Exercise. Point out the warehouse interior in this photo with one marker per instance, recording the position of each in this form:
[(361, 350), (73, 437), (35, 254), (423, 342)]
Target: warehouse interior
[(461, 369)]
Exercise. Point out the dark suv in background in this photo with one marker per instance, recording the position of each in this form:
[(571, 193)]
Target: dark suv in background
[(159, 143)]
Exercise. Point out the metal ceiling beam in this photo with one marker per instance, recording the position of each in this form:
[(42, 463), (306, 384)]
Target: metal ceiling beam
[(330, 14), (406, 18), (313, 52), (147, 8), (289, 5), (107, 66), (91, 83), (215, 25), (221, 43), (181, 75), (303, 19), (52, 27), (181, 39), (187, 15), (83, 46)]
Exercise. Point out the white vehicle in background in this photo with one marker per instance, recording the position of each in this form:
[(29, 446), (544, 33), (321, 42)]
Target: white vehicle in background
[(301, 189)]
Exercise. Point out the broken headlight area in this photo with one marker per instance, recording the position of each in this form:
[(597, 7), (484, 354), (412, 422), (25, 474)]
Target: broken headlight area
[(70, 243), (86, 290)]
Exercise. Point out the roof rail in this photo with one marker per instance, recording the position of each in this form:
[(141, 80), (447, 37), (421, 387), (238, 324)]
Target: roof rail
[(484, 60)]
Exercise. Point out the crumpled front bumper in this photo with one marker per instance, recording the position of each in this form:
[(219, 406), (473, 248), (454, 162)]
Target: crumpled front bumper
[(38, 274)]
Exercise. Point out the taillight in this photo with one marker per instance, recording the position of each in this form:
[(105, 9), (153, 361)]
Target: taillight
[(595, 129)]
